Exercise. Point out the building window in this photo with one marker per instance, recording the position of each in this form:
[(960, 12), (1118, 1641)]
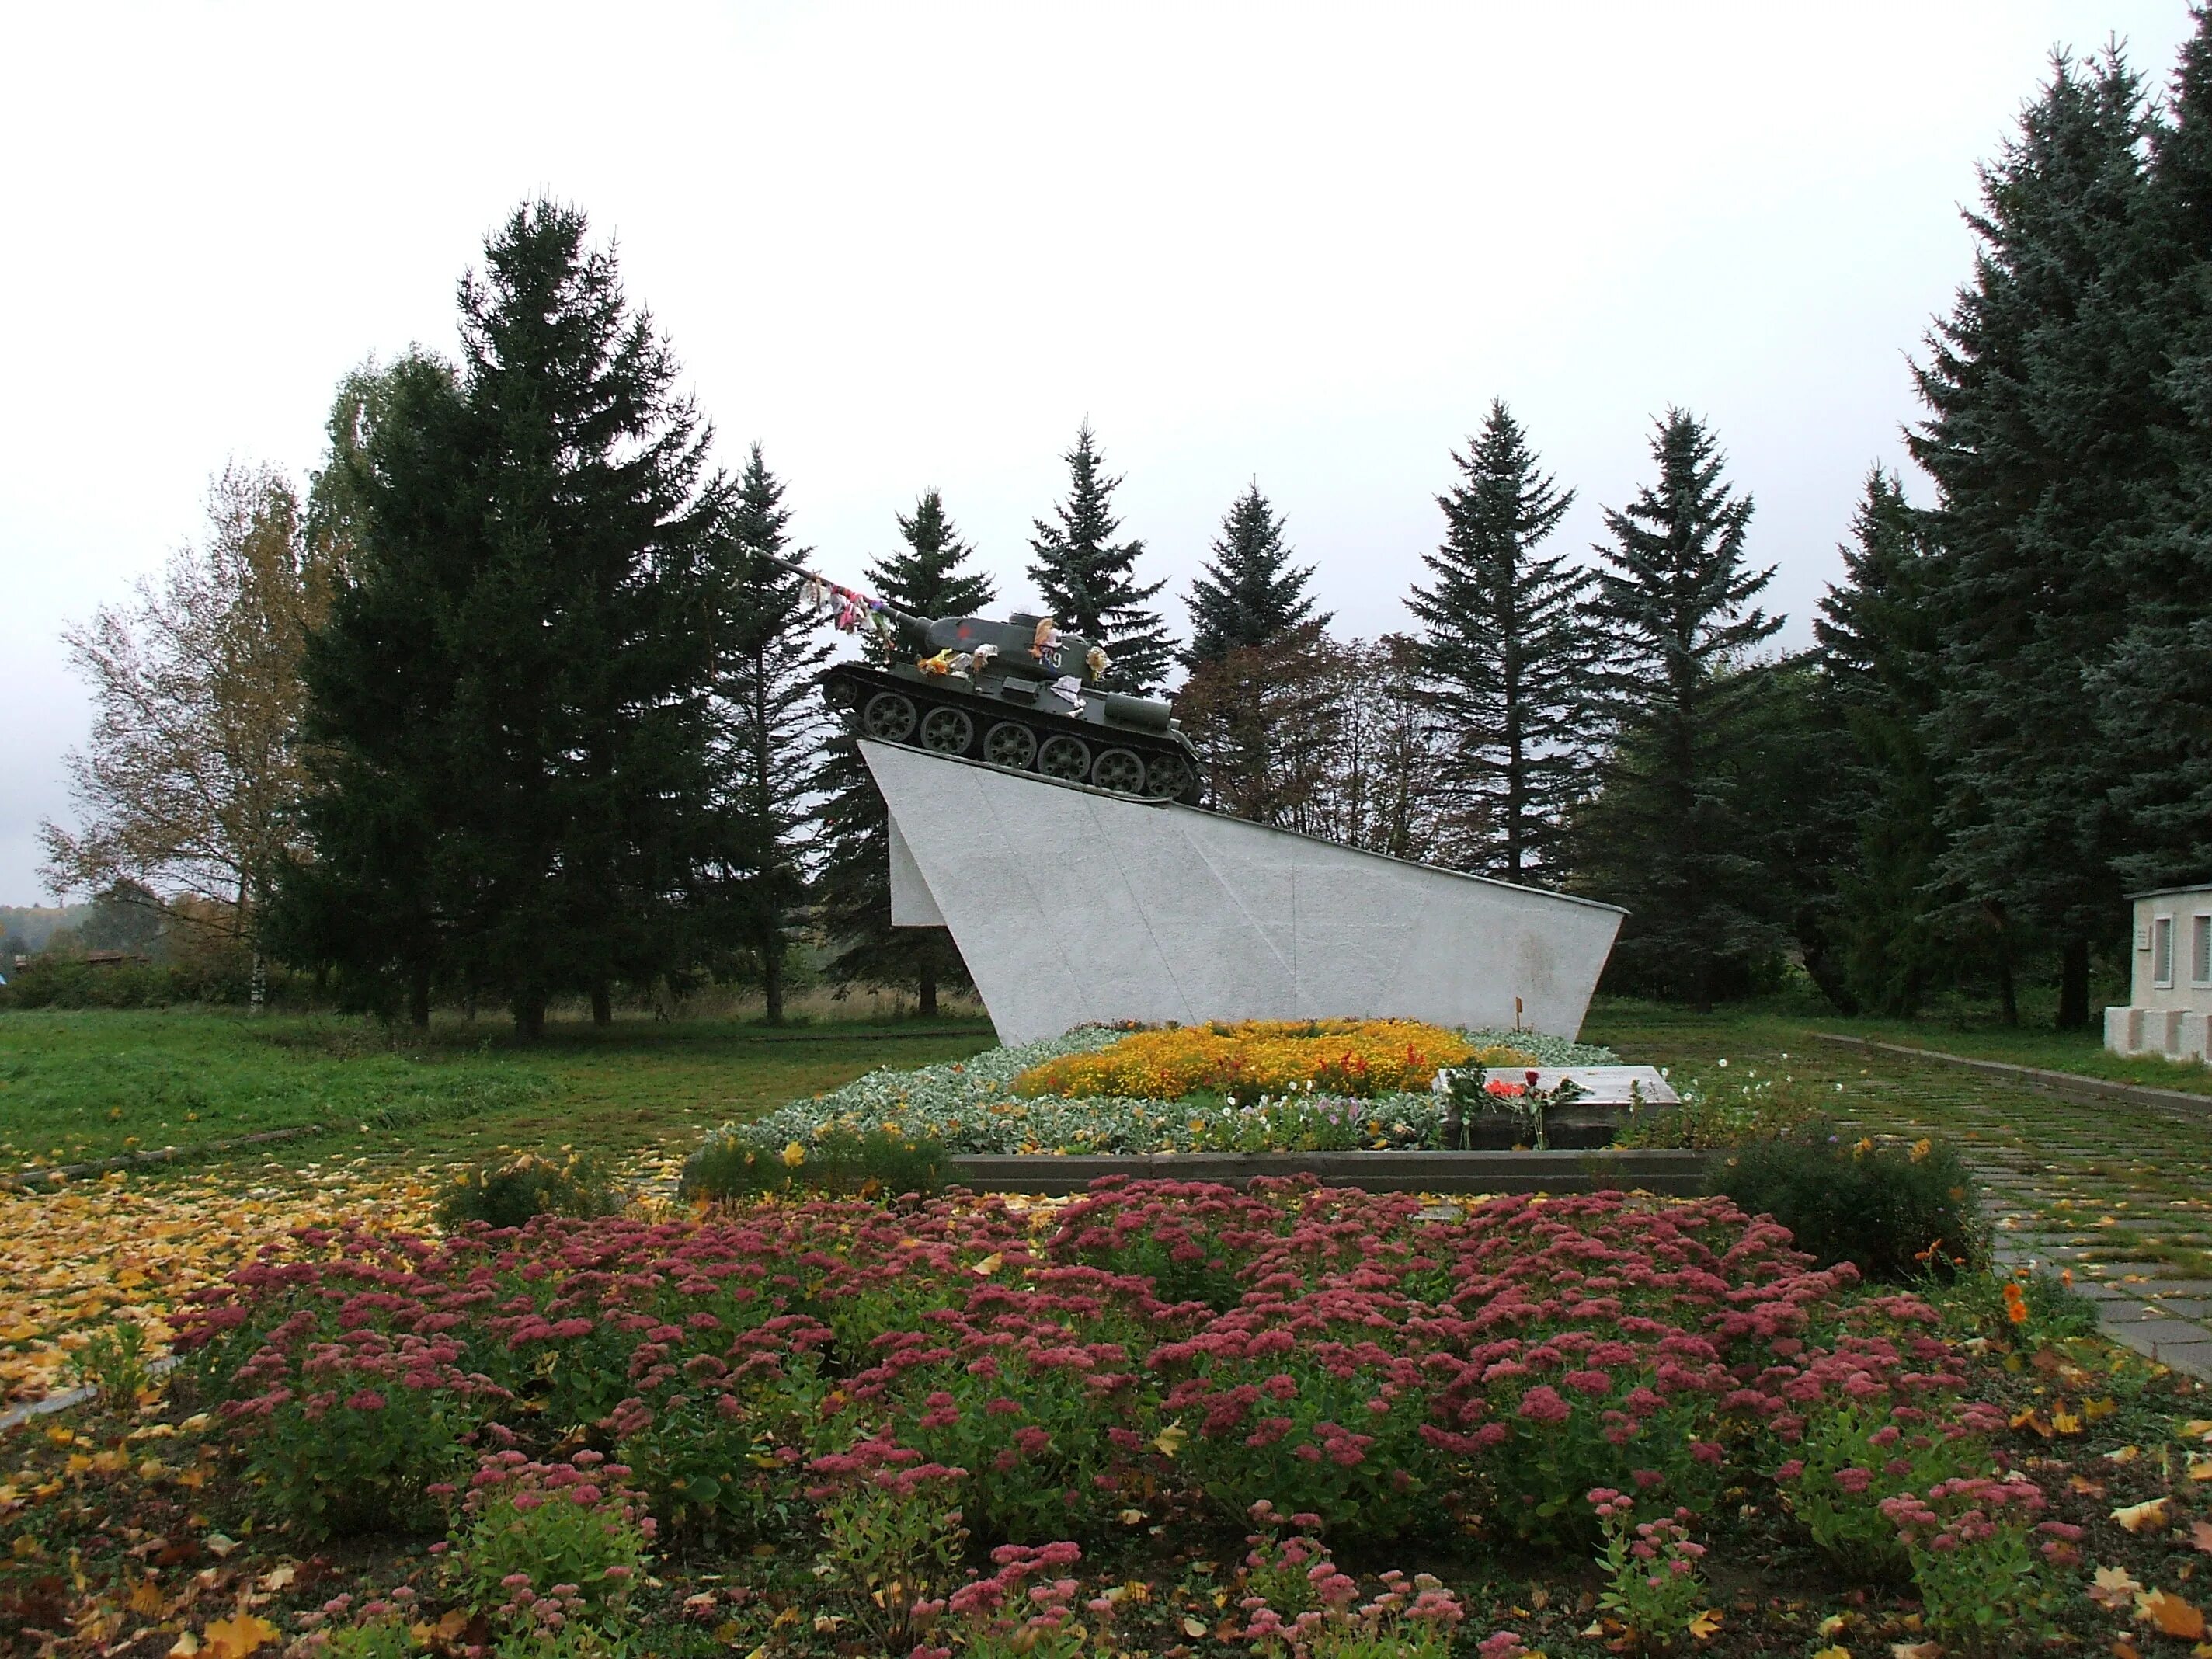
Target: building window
[(2200, 951), (2161, 951)]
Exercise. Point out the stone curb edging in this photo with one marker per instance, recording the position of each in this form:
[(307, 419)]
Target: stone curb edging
[(15, 1416), (1673, 1173), (2070, 1085), (24, 1181)]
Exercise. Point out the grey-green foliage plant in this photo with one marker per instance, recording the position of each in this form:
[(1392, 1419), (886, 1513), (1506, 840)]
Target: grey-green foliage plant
[(1666, 836), (1509, 652)]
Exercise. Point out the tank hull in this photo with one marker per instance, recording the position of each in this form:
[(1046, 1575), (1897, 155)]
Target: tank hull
[(1121, 743)]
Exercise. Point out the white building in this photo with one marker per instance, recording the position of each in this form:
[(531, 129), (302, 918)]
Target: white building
[(2170, 993)]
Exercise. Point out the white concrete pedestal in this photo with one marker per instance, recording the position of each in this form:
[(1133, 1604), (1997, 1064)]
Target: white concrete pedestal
[(1070, 904)]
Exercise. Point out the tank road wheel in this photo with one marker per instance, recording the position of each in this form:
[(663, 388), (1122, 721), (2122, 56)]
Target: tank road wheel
[(888, 716), (1066, 758), (1009, 744), (947, 731), (1168, 776), (1120, 771)]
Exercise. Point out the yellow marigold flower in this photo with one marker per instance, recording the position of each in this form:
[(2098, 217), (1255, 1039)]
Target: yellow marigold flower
[(795, 1155)]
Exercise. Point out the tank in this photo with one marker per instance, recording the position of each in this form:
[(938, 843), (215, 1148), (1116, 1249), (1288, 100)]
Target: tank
[(1021, 694)]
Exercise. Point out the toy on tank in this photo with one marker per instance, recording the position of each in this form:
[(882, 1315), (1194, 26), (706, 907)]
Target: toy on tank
[(1021, 694)]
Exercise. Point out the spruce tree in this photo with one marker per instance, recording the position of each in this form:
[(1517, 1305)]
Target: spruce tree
[(510, 688), (768, 654), (854, 892), (1508, 651), (1087, 579), (374, 904), (1878, 654), (1668, 837), (1249, 594), (2042, 386), (2155, 692)]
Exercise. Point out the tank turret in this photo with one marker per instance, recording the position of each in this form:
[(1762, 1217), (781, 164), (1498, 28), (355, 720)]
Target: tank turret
[(1021, 694)]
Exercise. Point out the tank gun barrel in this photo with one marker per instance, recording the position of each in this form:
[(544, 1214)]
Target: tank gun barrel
[(848, 607)]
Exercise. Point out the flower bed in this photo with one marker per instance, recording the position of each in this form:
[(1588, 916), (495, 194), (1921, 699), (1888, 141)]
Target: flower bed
[(1355, 1059), (1175, 1352), (974, 1427), (972, 1106)]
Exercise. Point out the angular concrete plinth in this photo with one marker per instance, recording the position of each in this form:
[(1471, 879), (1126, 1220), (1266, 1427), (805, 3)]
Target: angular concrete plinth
[(1071, 905), (1681, 1174)]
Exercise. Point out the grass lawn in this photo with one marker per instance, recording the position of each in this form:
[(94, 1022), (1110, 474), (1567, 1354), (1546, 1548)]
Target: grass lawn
[(89, 1085), (2134, 1182)]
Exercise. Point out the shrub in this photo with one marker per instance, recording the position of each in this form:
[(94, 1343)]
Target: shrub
[(1859, 1454), (1651, 1570), (1297, 1602), (112, 1362), (356, 1434), (1894, 1212), (1986, 1569), (713, 1441), (1004, 1615), (508, 1194), (549, 1543), (891, 1533), (842, 1163)]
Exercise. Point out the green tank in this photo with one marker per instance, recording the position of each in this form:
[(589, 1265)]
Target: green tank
[(1020, 693)]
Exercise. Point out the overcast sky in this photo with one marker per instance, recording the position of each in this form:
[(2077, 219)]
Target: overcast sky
[(915, 244)]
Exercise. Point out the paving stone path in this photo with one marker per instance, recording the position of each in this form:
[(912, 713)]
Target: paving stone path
[(2115, 1196)]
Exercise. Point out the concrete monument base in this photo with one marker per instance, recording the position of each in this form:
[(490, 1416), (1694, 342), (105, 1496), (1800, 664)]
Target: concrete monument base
[(1070, 904)]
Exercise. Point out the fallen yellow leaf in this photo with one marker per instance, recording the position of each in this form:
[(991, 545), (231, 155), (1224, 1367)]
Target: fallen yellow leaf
[(2115, 1588), (239, 1635), (1833, 1653), (2138, 1518), (1193, 1626), (1170, 1440), (1705, 1624), (2173, 1616)]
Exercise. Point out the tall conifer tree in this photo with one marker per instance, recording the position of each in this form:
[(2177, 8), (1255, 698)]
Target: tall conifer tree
[(925, 577), (770, 725), (2155, 691), (1249, 593), (2042, 387), (506, 696), (1667, 835), (1088, 579), (1508, 651), (1878, 653)]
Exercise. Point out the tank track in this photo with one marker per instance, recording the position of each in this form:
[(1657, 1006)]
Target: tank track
[(945, 720)]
